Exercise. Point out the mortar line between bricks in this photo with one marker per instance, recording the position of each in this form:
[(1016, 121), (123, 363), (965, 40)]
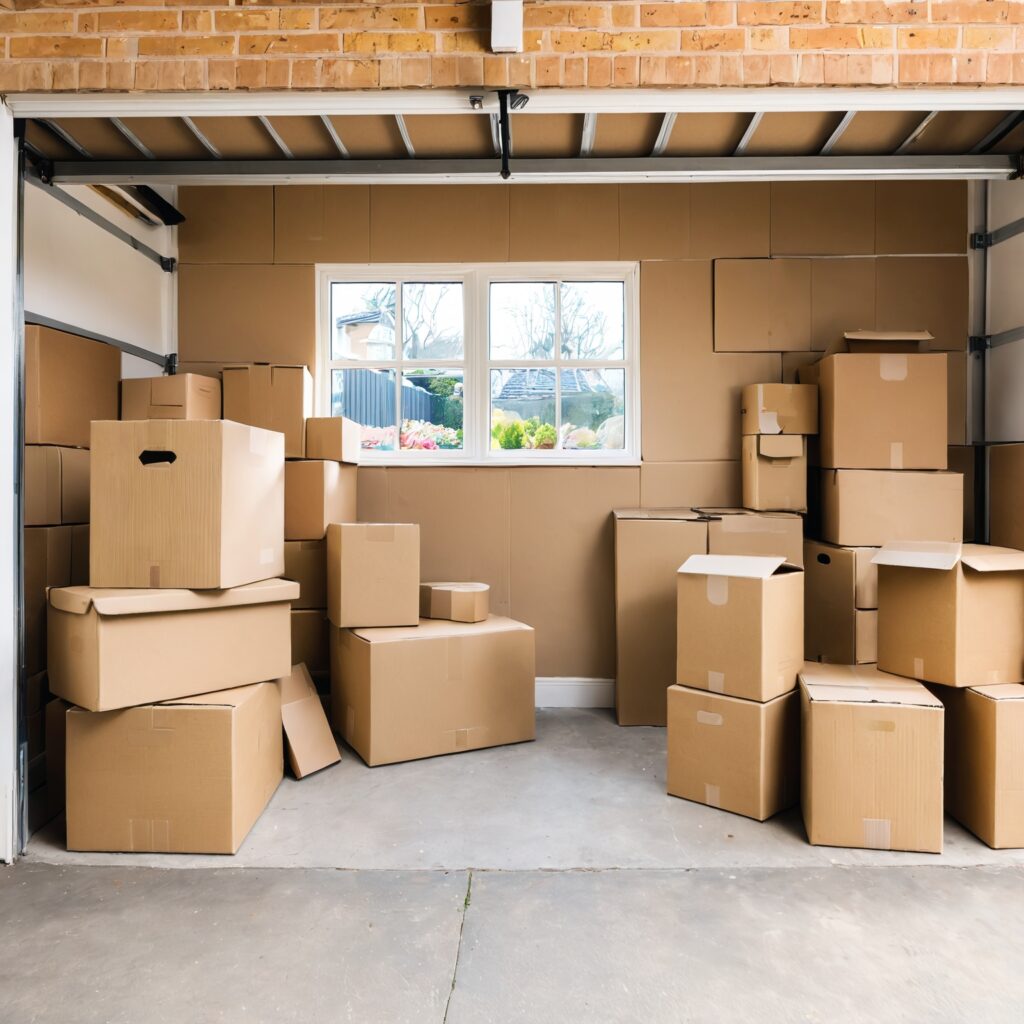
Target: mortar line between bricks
[(458, 947)]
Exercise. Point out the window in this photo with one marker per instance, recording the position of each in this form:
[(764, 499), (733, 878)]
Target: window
[(493, 364)]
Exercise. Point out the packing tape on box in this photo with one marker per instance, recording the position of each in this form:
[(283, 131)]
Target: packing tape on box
[(892, 366), (716, 682), (881, 725), (154, 577), (718, 590), (896, 455), (768, 422), (919, 668), (712, 795), (709, 718), (461, 739), (877, 833)]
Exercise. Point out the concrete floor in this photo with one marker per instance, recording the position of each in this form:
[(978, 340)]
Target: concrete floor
[(552, 881)]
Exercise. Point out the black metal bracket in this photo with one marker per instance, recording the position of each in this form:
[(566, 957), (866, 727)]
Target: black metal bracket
[(979, 343), (986, 239), (171, 364), (168, 264), (505, 130)]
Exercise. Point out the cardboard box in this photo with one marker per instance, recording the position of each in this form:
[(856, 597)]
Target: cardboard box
[(840, 602), (740, 531), (962, 461), (950, 613), (872, 760), (333, 438), (69, 382), (437, 688), (189, 504), (762, 305), (183, 396), (871, 507), (117, 648), (310, 637), (56, 485), (740, 625), (779, 409), (739, 755), (775, 472), (457, 602), (317, 493), (1006, 494), (985, 761), (183, 776), (305, 561), (373, 574), (47, 563), (307, 733), (649, 549), (273, 397)]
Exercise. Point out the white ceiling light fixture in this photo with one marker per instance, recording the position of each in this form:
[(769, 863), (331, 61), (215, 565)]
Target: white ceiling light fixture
[(507, 26)]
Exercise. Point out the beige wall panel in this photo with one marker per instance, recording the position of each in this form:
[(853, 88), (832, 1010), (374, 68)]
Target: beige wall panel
[(920, 217), (706, 134), (168, 138), (925, 293), (690, 484), (546, 135), (450, 135), (370, 136), (792, 361), (842, 299), (305, 137), (564, 222), (874, 132), (99, 138), (801, 133), (823, 218), (955, 131), (322, 224), (626, 134), (654, 222), (226, 224), (956, 403), (372, 495), (238, 138), (730, 219)]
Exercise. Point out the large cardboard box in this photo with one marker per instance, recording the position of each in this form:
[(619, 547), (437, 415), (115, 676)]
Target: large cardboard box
[(310, 636), (183, 396), (1006, 494), (307, 733), (373, 574), (458, 602), (762, 305), (840, 604), (739, 755), (333, 438), (305, 561), (437, 688), (779, 409), (870, 507), (184, 776), (650, 546), (985, 761), (740, 531), (740, 625), (872, 760), (775, 472), (115, 648), (950, 613), (47, 563), (69, 382), (56, 485), (189, 504), (317, 493), (273, 397)]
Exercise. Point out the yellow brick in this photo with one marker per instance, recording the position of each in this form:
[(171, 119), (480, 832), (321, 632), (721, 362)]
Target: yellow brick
[(55, 46), (312, 42), (572, 41), (246, 21), (993, 37), (372, 17), (193, 46), (678, 14), (646, 41), (927, 38), (37, 21), (138, 21)]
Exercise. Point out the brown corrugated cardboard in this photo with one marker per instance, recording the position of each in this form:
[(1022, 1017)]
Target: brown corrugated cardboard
[(921, 216), (316, 493), (184, 396), (951, 613), (823, 218), (185, 503), (305, 561), (307, 732), (437, 688), (985, 761), (762, 305), (852, 569), (739, 531), (373, 574), (730, 219), (842, 296), (321, 224), (56, 485), (872, 760), (188, 776), (654, 221), (546, 222), (273, 397), (69, 381), (961, 460), (740, 625), (650, 546), (47, 563), (775, 472), (779, 409), (689, 484), (871, 507), (458, 602), (310, 636), (929, 293), (739, 755), (1006, 494), (115, 648), (227, 224), (333, 438)]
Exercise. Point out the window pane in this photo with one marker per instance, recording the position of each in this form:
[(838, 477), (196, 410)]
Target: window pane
[(593, 320), (523, 409), (432, 410), (368, 397), (593, 409), (522, 320), (363, 320), (432, 321)]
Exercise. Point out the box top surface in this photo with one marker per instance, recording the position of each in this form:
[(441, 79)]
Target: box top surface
[(758, 567), (745, 518), (863, 684), (233, 698), (945, 556), (893, 336), (429, 629), (685, 514), (1001, 691), (459, 588)]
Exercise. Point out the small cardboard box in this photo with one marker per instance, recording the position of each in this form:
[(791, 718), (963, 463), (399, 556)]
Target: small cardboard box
[(780, 409), (317, 493), (840, 602), (273, 397), (56, 485), (47, 563), (116, 648), (457, 602), (307, 733), (305, 561), (184, 396), (191, 504), (1006, 494), (762, 305), (872, 760), (69, 382), (951, 613), (437, 688), (184, 776), (649, 548), (774, 472), (739, 755), (373, 574), (310, 636), (740, 625), (333, 438), (740, 531), (985, 761), (870, 507)]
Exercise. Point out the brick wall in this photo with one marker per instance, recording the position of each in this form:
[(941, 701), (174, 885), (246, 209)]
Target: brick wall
[(119, 45)]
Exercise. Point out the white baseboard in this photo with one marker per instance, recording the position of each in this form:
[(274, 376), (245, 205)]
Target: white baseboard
[(574, 692)]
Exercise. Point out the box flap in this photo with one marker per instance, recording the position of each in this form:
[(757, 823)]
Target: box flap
[(986, 558), (461, 588), (887, 341), (919, 554), (758, 567), (431, 628), (1001, 691), (311, 745), (687, 514), (232, 698), (296, 686), (780, 446), (863, 684)]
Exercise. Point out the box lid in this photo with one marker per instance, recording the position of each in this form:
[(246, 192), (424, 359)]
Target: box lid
[(939, 555), (780, 446), (233, 698), (459, 588), (1001, 691), (758, 567), (431, 628), (687, 514), (311, 745), (79, 600), (863, 684), (887, 341)]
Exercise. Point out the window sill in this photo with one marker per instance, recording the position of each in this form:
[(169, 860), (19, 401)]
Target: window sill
[(435, 462)]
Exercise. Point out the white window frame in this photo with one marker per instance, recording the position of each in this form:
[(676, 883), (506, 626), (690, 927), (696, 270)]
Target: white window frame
[(476, 279)]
